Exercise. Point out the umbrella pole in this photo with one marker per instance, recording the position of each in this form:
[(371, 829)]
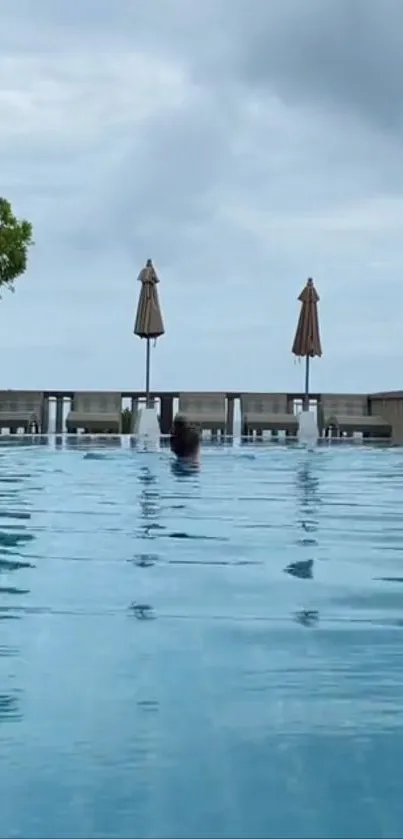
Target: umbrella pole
[(306, 395), (147, 372)]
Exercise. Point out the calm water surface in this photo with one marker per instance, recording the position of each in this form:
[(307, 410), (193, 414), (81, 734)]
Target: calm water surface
[(206, 655)]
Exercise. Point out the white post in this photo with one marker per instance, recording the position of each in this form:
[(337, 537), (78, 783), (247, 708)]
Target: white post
[(307, 429), (147, 429)]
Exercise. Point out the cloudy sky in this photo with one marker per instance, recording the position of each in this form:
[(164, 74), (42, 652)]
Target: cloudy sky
[(244, 145)]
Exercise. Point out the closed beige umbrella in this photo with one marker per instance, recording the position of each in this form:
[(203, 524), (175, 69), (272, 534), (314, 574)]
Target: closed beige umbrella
[(148, 323), (307, 337)]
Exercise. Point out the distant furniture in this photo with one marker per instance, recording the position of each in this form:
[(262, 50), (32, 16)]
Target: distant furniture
[(95, 412), (205, 410), (389, 405), (21, 409), (266, 412), (346, 413)]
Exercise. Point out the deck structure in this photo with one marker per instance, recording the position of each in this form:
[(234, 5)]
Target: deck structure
[(375, 416)]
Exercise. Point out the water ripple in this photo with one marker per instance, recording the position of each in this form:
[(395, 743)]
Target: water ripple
[(234, 630)]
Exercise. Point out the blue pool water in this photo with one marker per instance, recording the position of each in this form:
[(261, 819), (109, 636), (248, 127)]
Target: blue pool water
[(203, 655)]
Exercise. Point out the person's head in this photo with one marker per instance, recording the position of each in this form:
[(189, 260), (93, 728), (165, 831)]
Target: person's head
[(185, 439)]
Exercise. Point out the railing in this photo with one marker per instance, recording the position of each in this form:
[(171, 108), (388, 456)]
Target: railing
[(88, 441), (166, 400), (63, 399)]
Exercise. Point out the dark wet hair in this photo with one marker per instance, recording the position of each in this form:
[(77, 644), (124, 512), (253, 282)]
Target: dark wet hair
[(185, 439)]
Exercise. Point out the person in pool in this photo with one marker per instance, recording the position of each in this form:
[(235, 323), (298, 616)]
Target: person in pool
[(185, 441)]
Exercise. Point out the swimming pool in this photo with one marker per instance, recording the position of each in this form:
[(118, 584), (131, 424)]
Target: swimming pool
[(204, 655)]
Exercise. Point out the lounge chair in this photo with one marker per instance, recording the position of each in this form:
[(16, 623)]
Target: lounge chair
[(266, 412), (205, 410), (95, 412), (21, 409), (349, 413)]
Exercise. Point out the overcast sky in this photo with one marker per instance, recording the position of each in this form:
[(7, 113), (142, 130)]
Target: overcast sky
[(243, 145)]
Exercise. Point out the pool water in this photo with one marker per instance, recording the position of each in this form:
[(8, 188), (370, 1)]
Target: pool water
[(212, 654)]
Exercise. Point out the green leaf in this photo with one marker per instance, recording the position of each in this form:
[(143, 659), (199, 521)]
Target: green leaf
[(15, 241)]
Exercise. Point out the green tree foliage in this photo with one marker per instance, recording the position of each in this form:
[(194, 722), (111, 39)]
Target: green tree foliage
[(15, 241), (126, 421)]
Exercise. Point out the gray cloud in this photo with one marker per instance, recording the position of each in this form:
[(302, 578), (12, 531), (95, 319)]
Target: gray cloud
[(241, 146), (345, 55)]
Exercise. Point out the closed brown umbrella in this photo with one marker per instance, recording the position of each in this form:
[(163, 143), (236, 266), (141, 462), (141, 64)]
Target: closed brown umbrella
[(148, 323), (307, 337)]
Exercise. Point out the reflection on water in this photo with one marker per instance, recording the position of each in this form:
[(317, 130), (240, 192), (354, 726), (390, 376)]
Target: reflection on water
[(184, 469), (307, 617), (15, 537), (150, 512), (152, 646), (11, 564), (13, 590), (7, 614), (309, 500), (142, 611), (14, 514), (145, 560), (302, 568), (9, 708), (309, 495), (11, 539)]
